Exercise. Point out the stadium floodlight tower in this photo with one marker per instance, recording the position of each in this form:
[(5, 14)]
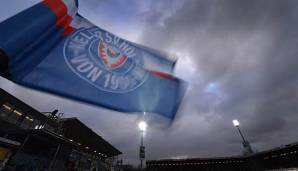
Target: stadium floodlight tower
[(245, 143), (142, 126)]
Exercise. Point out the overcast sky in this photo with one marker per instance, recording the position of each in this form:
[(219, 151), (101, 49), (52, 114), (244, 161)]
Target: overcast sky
[(240, 58)]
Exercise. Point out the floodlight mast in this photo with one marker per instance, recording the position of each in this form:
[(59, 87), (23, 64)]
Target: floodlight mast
[(245, 143), (237, 124), (142, 127)]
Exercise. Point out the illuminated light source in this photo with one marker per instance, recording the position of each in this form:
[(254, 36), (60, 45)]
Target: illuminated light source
[(19, 113), (27, 117), (7, 107), (87, 147), (40, 127), (142, 126), (236, 123)]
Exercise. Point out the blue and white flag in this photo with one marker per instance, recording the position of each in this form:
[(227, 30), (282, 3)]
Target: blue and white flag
[(51, 48)]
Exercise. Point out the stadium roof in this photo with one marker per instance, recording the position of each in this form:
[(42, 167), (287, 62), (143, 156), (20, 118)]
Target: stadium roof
[(86, 137), (20, 105)]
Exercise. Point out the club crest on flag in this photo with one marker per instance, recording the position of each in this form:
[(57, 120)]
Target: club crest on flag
[(104, 60), (111, 56)]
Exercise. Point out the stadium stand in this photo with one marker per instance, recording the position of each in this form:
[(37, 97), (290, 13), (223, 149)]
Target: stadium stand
[(281, 158), (31, 140)]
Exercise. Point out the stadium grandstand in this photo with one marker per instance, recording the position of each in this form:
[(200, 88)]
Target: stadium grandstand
[(31, 140), (281, 158)]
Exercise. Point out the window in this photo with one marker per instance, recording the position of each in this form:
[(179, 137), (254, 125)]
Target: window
[(5, 111), (16, 116), (27, 122), (9, 113)]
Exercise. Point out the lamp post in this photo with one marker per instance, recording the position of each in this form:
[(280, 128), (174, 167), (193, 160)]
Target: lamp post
[(142, 126), (245, 143)]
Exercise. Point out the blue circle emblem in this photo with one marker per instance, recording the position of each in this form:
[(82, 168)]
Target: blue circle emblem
[(105, 61)]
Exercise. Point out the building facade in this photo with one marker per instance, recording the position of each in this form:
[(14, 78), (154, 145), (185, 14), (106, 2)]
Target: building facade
[(31, 140)]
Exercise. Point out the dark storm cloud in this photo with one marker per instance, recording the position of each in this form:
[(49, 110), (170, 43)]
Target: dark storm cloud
[(248, 48)]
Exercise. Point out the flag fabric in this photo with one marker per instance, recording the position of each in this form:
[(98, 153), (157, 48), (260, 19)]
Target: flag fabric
[(51, 47)]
